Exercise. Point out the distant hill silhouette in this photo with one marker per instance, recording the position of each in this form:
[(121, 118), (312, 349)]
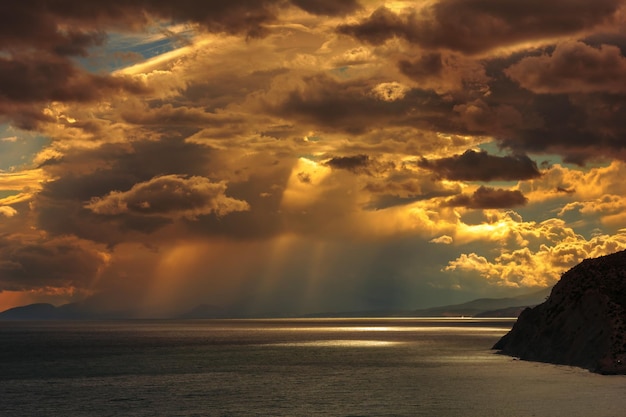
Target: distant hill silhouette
[(583, 322), (487, 307), (483, 307), (504, 312), (73, 311), (32, 312)]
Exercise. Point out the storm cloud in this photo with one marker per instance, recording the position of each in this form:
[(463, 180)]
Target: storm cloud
[(38, 39), (34, 262), (170, 195), (297, 156), (477, 26), (488, 198), (480, 166), (573, 67)]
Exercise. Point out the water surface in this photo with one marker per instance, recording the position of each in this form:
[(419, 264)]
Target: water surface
[(308, 367)]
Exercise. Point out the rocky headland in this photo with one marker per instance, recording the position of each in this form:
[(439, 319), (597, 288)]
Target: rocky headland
[(582, 323)]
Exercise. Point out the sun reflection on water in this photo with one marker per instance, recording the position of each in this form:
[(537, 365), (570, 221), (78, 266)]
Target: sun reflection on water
[(340, 343), (420, 329)]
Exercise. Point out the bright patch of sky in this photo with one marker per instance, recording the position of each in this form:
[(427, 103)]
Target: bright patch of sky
[(8, 193), (123, 49), (341, 72), (18, 148)]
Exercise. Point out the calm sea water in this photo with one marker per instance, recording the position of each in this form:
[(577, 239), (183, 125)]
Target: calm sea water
[(354, 367)]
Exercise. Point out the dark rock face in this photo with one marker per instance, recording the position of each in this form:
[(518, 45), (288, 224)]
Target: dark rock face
[(582, 323)]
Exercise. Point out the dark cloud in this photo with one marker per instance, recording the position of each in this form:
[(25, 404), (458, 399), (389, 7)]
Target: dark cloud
[(428, 65), (173, 196), (350, 163), (480, 166), (38, 37), (380, 26), (135, 173), (36, 262), (479, 116), (77, 43), (474, 26), (328, 7), (580, 128), (488, 198), (360, 164), (616, 38), (355, 106), (577, 126), (23, 116), (28, 79), (42, 24), (344, 105), (85, 174), (565, 99), (573, 67)]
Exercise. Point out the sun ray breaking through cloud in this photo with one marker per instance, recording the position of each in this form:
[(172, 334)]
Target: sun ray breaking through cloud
[(297, 156)]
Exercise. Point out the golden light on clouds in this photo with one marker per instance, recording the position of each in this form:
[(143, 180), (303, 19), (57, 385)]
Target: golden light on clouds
[(544, 265), (27, 179), (390, 91), (305, 184), (305, 155)]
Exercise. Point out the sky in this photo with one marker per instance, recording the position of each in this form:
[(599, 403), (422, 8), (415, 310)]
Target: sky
[(303, 156)]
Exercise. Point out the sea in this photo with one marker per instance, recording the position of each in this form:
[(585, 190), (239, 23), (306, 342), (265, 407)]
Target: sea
[(287, 367)]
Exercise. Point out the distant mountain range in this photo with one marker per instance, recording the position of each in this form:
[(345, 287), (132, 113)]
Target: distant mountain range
[(483, 307), (487, 307)]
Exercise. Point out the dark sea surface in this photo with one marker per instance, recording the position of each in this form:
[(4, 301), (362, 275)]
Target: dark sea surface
[(308, 367)]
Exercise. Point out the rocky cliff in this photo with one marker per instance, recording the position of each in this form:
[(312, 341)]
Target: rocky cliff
[(582, 323)]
